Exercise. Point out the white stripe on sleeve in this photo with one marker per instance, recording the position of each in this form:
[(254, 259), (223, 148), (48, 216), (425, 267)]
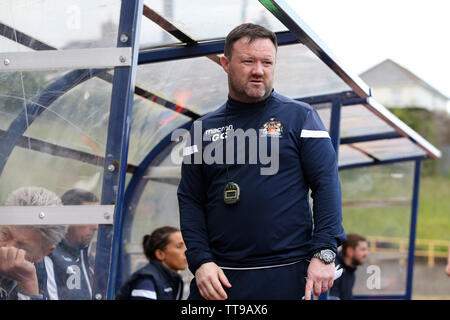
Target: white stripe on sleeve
[(314, 134), (190, 150), (52, 288), (144, 294)]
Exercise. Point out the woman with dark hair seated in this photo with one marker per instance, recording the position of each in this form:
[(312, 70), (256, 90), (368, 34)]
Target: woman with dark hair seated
[(159, 279)]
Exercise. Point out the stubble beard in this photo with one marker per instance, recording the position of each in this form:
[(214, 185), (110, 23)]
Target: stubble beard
[(246, 93)]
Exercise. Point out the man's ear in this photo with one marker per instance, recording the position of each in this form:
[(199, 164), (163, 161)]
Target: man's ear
[(45, 253), (224, 61), (349, 252), (160, 255)]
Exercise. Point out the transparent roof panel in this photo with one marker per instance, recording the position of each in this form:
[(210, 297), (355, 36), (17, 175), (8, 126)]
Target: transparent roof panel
[(7, 45), (205, 19), (65, 25), (324, 111), (17, 88), (357, 120), (349, 156), (299, 73), (174, 81), (153, 36), (390, 148)]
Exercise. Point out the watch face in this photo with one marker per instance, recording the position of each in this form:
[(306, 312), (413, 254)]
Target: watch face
[(328, 256)]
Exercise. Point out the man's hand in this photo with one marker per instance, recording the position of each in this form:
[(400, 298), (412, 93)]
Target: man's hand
[(209, 278), (320, 278), (14, 266)]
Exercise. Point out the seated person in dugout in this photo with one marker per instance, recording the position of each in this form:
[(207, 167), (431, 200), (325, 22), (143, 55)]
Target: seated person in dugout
[(353, 254), (22, 246), (159, 279), (67, 272)]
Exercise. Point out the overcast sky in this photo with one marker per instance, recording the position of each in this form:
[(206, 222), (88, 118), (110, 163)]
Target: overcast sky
[(362, 33)]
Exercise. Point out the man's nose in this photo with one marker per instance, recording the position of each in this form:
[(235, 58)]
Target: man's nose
[(258, 69)]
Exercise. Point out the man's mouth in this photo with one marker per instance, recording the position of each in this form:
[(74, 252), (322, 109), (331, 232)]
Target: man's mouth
[(256, 81)]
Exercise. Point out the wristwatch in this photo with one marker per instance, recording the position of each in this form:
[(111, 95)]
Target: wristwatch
[(326, 255)]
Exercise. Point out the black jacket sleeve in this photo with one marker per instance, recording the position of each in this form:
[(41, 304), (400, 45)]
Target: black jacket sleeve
[(319, 163)]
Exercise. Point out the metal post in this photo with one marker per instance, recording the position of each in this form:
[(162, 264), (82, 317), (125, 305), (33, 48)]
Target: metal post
[(117, 150), (335, 124), (412, 233)]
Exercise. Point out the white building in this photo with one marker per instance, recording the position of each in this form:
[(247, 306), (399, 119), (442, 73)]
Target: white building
[(396, 87)]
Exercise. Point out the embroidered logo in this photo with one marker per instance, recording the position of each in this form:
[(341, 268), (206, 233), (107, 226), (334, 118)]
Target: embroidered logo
[(272, 128)]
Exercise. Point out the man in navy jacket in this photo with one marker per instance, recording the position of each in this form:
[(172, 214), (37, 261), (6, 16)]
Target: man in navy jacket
[(248, 227), (67, 273)]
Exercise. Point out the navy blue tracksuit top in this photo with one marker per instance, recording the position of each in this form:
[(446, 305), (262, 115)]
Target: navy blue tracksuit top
[(272, 223)]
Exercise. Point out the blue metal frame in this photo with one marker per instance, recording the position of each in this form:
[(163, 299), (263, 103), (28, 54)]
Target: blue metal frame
[(199, 49), (376, 163), (335, 124), (413, 228), (371, 137), (117, 152)]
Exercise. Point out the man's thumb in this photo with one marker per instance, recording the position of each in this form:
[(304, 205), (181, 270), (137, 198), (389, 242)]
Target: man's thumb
[(223, 278)]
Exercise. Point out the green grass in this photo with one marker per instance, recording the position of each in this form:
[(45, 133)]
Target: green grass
[(434, 209), (433, 217), (380, 221)]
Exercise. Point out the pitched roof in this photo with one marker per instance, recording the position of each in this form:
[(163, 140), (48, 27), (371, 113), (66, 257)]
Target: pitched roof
[(398, 74)]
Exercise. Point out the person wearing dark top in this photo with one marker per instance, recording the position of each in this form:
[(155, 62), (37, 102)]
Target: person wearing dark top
[(159, 279), (67, 272), (249, 232), (353, 254)]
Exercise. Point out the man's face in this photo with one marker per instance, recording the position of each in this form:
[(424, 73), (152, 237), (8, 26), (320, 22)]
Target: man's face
[(82, 234), (26, 238), (250, 69), (360, 253)]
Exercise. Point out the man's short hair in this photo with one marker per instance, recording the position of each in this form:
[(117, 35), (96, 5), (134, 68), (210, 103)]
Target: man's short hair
[(78, 197), (252, 32), (353, 240), (38, 196)]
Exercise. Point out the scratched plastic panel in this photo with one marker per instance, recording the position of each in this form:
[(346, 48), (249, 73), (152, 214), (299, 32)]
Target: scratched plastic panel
[(205, 19), (376, 204), (300, 73), (61, 24), (151, 123), (357, 120), (54, 127)]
